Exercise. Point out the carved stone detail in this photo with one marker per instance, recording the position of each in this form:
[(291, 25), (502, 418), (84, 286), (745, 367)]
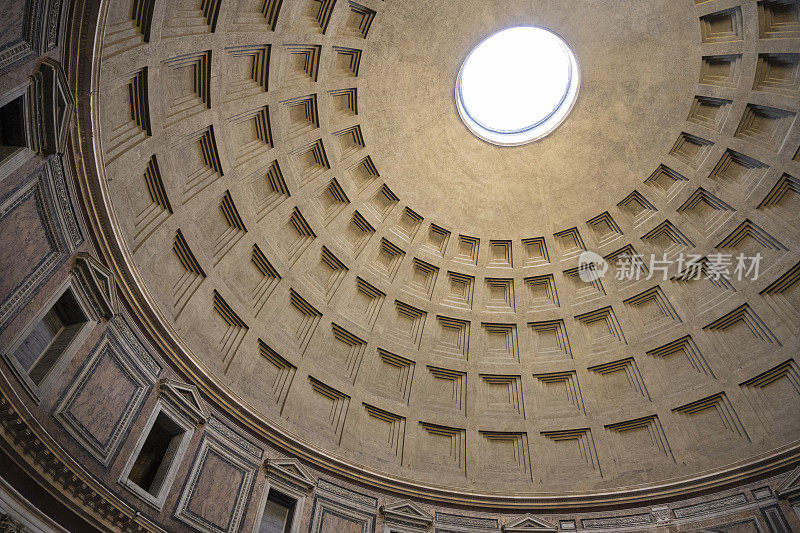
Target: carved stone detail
[(39, 189), (55, 106), (186, 399), (83, 493), (98, 284), (529, 523), (711, 507), (614, 522), (407, 515), (289, 475)]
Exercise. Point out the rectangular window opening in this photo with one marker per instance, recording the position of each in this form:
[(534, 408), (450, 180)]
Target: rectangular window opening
[(278, 513), (50, 337), (12, 127), (156, 455)]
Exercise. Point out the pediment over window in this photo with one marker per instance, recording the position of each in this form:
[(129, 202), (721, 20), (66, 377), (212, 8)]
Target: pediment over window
[(56, 106), (790, 488), (529, 523), (98, 283), (408, 513), (290, 475), (185, 398)]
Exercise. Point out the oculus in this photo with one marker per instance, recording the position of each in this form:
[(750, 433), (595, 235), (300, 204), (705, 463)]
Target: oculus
[(517, 85)]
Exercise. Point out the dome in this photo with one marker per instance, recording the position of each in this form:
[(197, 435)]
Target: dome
[(485, 256)]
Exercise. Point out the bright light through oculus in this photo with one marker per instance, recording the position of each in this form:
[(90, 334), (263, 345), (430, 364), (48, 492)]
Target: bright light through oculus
[(517, 85)]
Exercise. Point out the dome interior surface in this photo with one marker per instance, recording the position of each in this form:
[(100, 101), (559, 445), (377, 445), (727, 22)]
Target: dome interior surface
[(303, 209)]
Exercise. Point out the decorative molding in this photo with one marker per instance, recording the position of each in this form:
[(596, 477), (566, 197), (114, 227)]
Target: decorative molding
[(710, 507), (567, 525), (184, 398), (27, 43), (406, 516), (93, 381), (97, 283), (289, 475), (324, 508), (342, 504), (134, 345), (66, 204), (215, 425), (472, 522), (52, 24), (49, 464), (615, 522), (762, 493), (221, 448), (55, 106), (774, 518), (662, 514), (529, 523), (349, 495), (9, 524), (38, 188), (17, 511), (790, 487)]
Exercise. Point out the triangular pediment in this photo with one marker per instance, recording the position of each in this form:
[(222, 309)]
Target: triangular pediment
[(57, 106), (64, 106), (790, 488), (98, 284), (290, 475), (186, 398), (529, 523), (406, 511), (295, 470)]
